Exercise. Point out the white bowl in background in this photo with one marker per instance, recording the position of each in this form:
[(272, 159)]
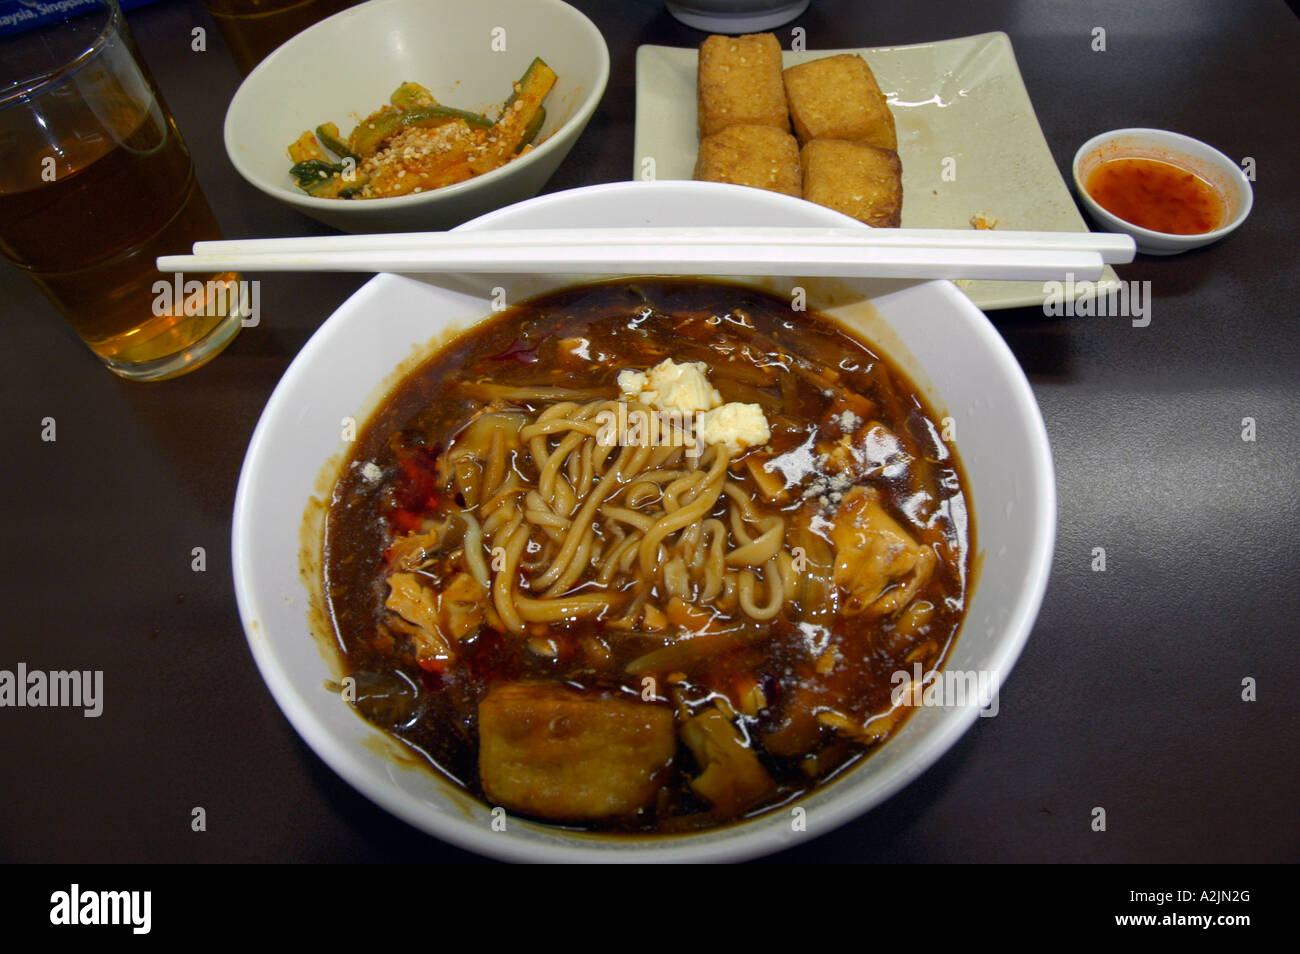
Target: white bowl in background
[(1204, 160), (736, 16), (345, 67), (930, 329)]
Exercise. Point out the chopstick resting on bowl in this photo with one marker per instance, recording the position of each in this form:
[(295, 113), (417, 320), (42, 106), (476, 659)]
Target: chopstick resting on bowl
[(815, 252)]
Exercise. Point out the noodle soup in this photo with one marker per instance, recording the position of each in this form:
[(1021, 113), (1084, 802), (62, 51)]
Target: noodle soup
[(647, 556)]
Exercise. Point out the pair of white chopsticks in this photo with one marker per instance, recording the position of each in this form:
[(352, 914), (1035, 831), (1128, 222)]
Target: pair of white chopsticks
[(840, 252)]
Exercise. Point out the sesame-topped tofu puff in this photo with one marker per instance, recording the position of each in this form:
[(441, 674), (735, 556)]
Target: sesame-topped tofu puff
[(838, 98), (760, 156), (740, 83), (854, 178)]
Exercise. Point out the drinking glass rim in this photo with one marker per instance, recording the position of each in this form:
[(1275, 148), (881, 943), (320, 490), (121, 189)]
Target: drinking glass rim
[(25, 87)]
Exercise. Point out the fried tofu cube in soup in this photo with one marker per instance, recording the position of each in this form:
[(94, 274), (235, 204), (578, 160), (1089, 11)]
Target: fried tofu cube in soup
[(567, 755)]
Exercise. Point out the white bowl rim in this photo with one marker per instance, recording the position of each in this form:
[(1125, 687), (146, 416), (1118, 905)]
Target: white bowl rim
[(1167, 137), (745, 839), (582, 114)]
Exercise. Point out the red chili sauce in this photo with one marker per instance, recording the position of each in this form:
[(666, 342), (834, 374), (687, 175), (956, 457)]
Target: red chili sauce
[(1156, 195)]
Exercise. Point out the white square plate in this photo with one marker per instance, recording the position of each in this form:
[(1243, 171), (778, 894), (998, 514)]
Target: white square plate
[(968, 139)]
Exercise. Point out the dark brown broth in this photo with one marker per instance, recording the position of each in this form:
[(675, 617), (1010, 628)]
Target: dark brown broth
[(636, 325)]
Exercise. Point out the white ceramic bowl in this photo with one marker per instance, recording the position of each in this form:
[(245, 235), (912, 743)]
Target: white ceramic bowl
[(345, 67), (933, 331), (736, 16), (1207, 162)]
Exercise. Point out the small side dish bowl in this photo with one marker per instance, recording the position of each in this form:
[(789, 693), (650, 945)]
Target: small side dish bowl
[(1224, 176), (930, 329), (468, 54)]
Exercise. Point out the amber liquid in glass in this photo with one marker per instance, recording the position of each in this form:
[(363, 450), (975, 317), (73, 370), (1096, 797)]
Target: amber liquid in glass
[(253, 28), (132, 201)]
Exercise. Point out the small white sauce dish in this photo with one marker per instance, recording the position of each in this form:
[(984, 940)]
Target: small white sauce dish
[(1204, 160)]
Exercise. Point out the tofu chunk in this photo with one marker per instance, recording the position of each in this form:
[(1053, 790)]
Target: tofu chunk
[(856, 179), (877, 562), (838, 98), (558, 753), (436, 619), (732, 778), (740, 83), (760, 156)]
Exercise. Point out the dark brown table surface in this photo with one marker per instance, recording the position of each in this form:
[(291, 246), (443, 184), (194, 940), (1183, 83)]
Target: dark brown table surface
[(1128, 695)]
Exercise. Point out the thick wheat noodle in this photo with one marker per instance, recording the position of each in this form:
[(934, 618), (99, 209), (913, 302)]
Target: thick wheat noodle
[(600, 456), (681, 486), (641, 494), (738, 529), (503, 510), (533, 501), (665, 456), (738, 494), (573, 467), (498, 518), (548, 469), (582, 480), (495, 471), (704, 553), (553, 534), (613, 559), (582, 522), (532, 562), (546, 519), (559, 425), (563, 409), (702, 546), (713, 535), (474, 550), (515, 537), (677, 579), (515, 609), (566, 607), (647, 514), (628, 516), (763, 548), (697, 509), (577, 565), (715, 572), (510, 489), (629, 556), (789, 578), (775, 592), (539, 452), (660, 476), (690, 539), (565, 499)]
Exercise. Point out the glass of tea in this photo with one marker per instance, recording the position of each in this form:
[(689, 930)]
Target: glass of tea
[(95, 183), (253, 28)]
